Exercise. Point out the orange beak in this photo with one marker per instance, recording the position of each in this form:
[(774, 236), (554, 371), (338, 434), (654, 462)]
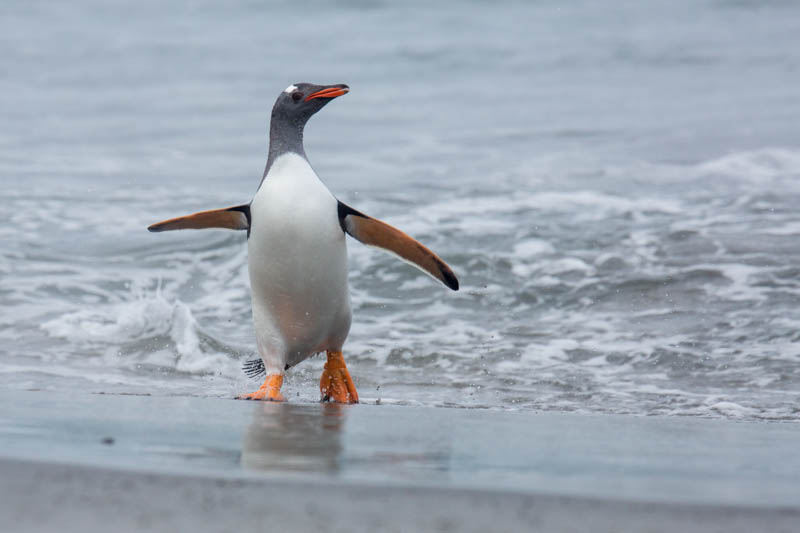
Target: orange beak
[(330, 92)]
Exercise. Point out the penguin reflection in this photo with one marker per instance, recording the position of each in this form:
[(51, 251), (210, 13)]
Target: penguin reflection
[(287, 437)]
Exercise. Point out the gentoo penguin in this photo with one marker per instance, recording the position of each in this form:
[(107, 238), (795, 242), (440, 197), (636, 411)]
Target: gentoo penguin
[(297, 255)]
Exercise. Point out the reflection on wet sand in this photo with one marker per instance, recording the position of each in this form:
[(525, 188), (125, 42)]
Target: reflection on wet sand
[(290, 437)]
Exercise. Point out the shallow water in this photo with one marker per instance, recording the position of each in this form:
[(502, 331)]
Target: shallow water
[(611, 458), (615, 187)]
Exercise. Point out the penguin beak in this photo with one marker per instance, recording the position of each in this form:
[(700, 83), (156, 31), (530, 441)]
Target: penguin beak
[(329, 92)]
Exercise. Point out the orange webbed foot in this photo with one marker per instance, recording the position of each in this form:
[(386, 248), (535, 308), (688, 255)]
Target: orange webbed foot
[(270, 390), (336, 383)]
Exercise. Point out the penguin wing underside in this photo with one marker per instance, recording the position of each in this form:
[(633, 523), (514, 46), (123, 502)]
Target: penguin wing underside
[(237, 217), (373, 232)]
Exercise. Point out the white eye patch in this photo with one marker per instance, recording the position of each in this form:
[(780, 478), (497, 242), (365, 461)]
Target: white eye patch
[(290, 88)]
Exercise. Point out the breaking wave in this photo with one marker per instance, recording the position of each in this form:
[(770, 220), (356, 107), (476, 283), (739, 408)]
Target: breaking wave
[(634, 294)]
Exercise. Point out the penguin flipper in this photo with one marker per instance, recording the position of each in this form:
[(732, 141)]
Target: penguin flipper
[(374, 232), (237, 217)]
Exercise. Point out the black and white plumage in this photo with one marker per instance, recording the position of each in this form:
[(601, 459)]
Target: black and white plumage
[(297, 254)]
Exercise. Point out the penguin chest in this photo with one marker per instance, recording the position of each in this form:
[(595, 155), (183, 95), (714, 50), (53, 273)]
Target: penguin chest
[(298, 261)]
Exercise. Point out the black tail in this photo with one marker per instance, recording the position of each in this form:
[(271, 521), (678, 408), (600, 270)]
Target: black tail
[(254, 368)]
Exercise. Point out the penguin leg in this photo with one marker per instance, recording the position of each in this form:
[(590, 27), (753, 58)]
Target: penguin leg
[(336, 383), (270, 390)]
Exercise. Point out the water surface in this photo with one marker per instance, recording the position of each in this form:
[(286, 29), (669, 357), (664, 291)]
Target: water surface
[(615, 185)]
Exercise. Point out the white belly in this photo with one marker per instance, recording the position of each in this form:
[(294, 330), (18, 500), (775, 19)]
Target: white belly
[(298, 266)]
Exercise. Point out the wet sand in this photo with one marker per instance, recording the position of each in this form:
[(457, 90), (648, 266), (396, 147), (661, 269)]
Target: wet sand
[(45, 497), (92, 462)]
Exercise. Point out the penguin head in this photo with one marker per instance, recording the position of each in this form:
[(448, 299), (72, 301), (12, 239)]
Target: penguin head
[(301, 100)]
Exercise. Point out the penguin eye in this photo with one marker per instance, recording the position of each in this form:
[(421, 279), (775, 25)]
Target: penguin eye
[(296, 96)]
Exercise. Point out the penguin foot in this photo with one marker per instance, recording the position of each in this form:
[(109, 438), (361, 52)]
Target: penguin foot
[(336, 383), (270, 390)]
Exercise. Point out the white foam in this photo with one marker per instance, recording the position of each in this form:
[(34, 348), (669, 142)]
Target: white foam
[(731, 409), (118, 323), (529, 248), (565, 265), (540, 322), (753, 165), (789, 228), (553, 351), (743, 283), (140, 319), (581, 204)]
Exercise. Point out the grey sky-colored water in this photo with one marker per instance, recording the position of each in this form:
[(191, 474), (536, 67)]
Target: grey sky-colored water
[(614, 183), (616, 458)]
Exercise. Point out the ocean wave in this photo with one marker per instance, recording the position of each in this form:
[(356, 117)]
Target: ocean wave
[(607, 296)]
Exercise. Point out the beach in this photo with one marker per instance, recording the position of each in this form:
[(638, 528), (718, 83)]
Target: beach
[(615, 186), (80, 462)]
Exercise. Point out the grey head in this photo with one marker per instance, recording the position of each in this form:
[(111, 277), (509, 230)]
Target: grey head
[(291, 111)]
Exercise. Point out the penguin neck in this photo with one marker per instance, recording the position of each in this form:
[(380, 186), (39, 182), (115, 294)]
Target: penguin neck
[(285, 136)]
